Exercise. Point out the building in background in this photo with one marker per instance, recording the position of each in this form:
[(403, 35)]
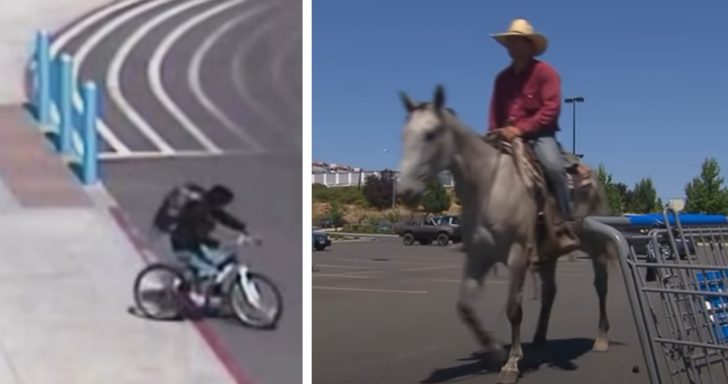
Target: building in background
[(338, 175)]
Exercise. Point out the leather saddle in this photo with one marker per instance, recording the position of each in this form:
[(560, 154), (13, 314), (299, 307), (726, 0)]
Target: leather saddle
[(553, 237)]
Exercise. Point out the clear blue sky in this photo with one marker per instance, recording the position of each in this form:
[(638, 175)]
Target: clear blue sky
[(654, 76)]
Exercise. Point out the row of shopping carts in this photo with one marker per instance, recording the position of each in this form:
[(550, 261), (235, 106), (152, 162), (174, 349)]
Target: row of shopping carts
[(676, 276)]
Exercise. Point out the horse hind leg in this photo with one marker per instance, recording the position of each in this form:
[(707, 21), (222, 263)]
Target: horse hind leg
[(534, 283), (548, 293), (600, 264)]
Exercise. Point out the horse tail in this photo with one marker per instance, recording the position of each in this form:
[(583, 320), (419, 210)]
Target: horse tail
[(599, 206)]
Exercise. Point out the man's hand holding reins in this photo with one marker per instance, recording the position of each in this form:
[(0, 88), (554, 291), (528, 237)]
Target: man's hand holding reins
[(509, 132)]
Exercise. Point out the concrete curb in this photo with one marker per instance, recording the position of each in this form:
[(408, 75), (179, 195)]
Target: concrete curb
[(361, 234), (364, 240), (238, 375), (104, 200)]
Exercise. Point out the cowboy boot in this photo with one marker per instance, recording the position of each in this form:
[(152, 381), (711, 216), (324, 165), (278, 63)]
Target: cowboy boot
[(567, 239)]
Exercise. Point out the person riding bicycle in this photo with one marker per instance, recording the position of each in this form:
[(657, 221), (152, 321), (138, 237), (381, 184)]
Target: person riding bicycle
[(526, 103), (191, 239)]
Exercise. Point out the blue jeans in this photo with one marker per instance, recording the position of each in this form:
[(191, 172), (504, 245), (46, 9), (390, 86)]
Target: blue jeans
[(205, 263), (548, 153)]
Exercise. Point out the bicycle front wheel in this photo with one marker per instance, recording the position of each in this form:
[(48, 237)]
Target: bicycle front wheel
[(258, 305)]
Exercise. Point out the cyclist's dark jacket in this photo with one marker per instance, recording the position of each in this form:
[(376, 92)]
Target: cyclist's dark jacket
[(197, 222)]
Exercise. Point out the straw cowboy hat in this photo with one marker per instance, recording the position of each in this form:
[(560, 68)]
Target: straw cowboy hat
[(521, 27)]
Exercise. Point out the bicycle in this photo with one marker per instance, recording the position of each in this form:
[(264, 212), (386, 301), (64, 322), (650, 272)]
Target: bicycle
[(237, 285)]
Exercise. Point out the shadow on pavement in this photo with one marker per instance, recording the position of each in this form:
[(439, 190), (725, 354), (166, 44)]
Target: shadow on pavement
[(559, 353)]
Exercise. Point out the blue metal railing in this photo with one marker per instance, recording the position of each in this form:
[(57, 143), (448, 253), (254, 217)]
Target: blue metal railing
[(52, 96)]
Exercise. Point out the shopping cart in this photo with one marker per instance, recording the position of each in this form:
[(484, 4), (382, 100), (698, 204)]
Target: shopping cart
[(678, 292)]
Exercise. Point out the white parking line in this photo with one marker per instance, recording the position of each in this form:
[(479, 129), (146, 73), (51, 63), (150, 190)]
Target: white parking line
[(236, 70), (436, 267), (398, 262), (361, 272), (445, 280), (458, 281), (56, 47), (69, 34), (153, 155), (340, 266), (321, 287), (277, 70), (341, 275), (357, 274), (158, 155), (84, 51), (114, 72), (154, 70), (193, 78)]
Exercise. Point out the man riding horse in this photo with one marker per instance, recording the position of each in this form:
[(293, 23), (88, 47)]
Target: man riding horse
[(495, 180), (526, 103)]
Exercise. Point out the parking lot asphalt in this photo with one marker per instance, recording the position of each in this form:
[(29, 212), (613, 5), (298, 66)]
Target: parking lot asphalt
[(385, 313)]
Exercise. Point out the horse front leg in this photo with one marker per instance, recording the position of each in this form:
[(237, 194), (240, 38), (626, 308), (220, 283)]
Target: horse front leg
[(476, 267), (518, 264)]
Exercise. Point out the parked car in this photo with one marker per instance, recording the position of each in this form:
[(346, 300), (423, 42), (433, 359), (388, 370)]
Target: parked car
[(438, 229), (321, 240), (384, 227), (326, 223), (640, 241)]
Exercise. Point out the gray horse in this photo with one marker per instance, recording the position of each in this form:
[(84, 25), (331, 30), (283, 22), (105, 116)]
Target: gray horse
[(499, 221)]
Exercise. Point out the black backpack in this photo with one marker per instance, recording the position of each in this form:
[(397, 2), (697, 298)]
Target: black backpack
[(174, 204)]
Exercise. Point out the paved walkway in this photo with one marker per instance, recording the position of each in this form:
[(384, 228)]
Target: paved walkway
[(18, 24), (66, 282)]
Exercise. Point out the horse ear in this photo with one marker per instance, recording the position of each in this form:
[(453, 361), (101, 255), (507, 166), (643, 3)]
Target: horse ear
[(439, 99), (409, 105)]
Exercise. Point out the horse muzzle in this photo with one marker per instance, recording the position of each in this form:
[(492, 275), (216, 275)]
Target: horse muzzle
[(410, 191)]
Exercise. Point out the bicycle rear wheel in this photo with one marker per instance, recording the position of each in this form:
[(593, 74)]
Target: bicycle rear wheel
[(165, 299)]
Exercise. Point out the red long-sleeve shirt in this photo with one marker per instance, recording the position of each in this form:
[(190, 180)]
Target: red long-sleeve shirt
[(530, 100)]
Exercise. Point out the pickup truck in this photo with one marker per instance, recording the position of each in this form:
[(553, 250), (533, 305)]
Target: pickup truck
[(440, 229)]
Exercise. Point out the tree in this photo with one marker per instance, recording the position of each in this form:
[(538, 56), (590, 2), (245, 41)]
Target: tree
[(614, 198), (336, 214), (378, 190), (413, 203), (625, 195), (393, 215), (705, 194), (644, 197), (435, 199)]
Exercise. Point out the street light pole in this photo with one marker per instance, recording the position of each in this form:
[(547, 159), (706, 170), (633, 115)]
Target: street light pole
[(573, 101), (394, 181), (394, 195)]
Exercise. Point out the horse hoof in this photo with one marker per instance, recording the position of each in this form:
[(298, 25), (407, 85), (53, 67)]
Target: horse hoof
[(496, 357), (508, 376), (601, 345)]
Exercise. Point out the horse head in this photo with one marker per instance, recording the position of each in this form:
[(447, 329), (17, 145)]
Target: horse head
[(428, 142)]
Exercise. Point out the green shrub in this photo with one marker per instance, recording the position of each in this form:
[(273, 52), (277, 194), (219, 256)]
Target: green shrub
[(342, 195), (365, 228)]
